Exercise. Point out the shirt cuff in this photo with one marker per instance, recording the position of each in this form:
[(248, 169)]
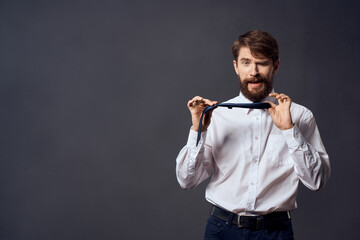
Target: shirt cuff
[(191, 142)]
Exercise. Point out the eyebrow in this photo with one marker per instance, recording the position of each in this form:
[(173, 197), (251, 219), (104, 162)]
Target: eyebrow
[(261, 61), (245, 59)]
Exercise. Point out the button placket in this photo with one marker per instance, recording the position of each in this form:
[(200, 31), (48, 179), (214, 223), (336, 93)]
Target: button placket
[(254, 161)]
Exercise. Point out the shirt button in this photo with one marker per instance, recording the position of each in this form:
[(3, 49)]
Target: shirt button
[(256, 138)]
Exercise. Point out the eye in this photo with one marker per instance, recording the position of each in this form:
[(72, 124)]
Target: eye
[(264, 63)]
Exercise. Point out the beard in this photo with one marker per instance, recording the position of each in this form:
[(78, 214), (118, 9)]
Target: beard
[(258, 94)]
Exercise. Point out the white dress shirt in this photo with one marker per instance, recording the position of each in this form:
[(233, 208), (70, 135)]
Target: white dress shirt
[(255, 167)]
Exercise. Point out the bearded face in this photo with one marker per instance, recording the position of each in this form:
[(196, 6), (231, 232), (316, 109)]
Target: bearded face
[(256, 88), (256, 74)]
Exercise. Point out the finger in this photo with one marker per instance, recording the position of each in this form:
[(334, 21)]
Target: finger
[(204, 102), (274, 94), (279, 96), (191, 103), (273, 105), (197, 103), (209, 102), (282, 95), (200, 101), (271, 110), (284, 98), (197, 100)]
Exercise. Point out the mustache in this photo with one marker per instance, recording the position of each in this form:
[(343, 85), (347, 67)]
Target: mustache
[(257, 79)]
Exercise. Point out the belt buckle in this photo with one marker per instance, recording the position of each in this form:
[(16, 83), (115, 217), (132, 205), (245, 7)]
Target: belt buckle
[(258, 221), (239, 219)]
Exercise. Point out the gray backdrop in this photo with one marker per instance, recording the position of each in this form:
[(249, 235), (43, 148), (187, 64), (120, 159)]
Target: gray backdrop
[(93, 110)]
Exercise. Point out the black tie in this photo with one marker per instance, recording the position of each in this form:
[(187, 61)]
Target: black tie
[(255, 105)]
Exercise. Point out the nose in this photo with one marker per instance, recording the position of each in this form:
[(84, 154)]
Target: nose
[(254, 71)]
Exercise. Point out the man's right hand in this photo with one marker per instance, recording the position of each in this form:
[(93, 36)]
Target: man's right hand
[(196, 107)]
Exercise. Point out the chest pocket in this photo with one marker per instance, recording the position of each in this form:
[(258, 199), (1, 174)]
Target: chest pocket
[(277, 151)]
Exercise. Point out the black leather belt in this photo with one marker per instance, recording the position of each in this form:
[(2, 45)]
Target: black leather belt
[(271, 221)]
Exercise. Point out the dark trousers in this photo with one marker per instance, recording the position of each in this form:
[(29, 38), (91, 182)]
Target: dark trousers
[(217, 229)]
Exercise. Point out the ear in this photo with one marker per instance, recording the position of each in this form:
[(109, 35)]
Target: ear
[(276, 66), (235, 67)]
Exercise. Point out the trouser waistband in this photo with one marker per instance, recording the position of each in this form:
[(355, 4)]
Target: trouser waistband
[(273, 221)]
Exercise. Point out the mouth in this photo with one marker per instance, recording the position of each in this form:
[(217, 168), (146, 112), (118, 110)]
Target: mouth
[(256, 83)]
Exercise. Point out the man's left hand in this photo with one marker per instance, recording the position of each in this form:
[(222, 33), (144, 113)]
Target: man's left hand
[(280, 114)]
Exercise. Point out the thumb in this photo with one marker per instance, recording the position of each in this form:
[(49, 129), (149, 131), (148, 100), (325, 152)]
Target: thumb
[(271, 110), (273, 105)]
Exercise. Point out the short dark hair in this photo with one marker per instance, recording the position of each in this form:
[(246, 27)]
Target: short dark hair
[(260, 43)]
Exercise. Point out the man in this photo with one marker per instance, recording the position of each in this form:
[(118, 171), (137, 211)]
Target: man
[(255, 157)]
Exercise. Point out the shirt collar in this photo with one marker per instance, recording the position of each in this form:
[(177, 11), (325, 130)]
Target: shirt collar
[(242, 99)]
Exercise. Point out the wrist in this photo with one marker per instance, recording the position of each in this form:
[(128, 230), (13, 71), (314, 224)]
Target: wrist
[(287, 127), (196, 128)]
